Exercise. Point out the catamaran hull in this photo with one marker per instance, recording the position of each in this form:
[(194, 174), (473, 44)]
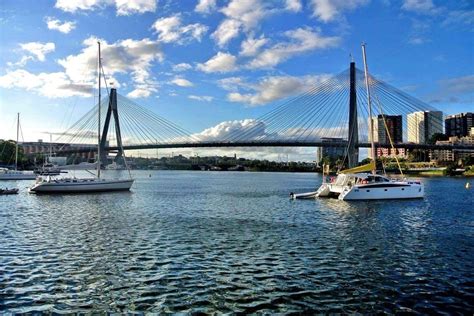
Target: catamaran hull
[(85, 187), (382, 193)]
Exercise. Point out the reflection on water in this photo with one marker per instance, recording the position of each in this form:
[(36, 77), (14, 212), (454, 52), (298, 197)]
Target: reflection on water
[(234, 242)]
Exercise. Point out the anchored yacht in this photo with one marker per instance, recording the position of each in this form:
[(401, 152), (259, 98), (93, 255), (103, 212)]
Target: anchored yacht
[(363, 183), (80, 185)]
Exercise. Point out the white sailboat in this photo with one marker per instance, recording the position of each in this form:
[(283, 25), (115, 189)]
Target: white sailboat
[(7, 174), (82, 185), (359, 184)]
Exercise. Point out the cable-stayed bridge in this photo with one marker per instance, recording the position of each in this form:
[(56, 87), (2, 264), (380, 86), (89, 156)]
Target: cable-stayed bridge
[(333, 113)]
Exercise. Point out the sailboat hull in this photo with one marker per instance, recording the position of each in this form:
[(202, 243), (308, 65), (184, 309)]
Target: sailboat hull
[(81, 186)]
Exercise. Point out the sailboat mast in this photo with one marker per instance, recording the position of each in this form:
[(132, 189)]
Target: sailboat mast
[(371, 124), (17, 134), (98, 124)]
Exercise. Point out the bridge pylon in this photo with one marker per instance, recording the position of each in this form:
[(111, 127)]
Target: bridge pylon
[(111, 110), (353, 131)]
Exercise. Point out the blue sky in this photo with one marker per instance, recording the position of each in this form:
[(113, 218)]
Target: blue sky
[(202, 62)]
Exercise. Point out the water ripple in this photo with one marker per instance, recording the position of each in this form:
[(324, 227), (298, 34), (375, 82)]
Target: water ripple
[(199, 242)]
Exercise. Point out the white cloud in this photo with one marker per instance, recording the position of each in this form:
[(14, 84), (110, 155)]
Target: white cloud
[(126, 56), (124, 7), (63, 27), (232, 83), (135, 56), (226, 31), (241, 15), (420, 6), (227, 129), (270, 89), (205, 6), (182, 82), (52, 85), (329, 10), (142, 91), (182, 67), (222, 62), (128, 7), (205, 98), (251, 46), (170, 29), (301, 41), (39, 50), (293, 5)]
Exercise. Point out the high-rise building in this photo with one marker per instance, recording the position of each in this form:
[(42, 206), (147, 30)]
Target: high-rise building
[(394, 125), (395, 130), (424, 124), (459, 124)]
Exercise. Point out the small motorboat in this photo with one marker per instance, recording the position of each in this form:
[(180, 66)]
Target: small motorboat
[(7, 191)]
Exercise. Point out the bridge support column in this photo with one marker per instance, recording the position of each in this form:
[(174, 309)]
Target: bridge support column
[(353, 132), (111, 110)]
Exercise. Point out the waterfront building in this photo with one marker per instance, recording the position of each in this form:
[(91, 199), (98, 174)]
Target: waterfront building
[(331, 152), (394, 125), (424, 124), (446, 155), (459, 124)]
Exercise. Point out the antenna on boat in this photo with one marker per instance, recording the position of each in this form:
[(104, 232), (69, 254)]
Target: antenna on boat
[(98, 127), (371, 124)]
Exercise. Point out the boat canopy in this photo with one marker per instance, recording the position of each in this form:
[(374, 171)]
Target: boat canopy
[(364, 168)]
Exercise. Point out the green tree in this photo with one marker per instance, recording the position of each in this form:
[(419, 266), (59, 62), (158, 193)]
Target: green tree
[(437, 136), (7, 153)]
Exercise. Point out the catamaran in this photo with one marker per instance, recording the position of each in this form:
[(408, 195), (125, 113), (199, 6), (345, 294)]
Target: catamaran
[(79, 185), (363, 182), (7, 174)]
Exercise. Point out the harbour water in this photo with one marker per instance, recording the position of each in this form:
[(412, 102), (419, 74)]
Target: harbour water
[(234, 242)]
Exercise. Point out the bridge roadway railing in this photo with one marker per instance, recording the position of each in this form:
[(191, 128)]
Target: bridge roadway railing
[(217, 144)]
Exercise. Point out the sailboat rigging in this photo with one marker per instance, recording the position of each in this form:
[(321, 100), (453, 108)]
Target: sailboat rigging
[(79, 185)]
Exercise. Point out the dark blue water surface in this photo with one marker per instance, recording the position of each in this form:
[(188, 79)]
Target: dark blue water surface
[(233, 242)]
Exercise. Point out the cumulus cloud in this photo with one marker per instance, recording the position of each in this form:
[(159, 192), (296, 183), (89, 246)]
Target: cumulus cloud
[(182, 67), (128, 7), (126, 56), (124, 7), (293, 5), (38, 50), (232, 83), (270, 89), (52, 85), (300, 41), (227, 129), (222, 62), (182, 82), (240, 15), (251, 46), (329, 10), (205, 6), (170, 29), (63, 27), (205, 98)]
